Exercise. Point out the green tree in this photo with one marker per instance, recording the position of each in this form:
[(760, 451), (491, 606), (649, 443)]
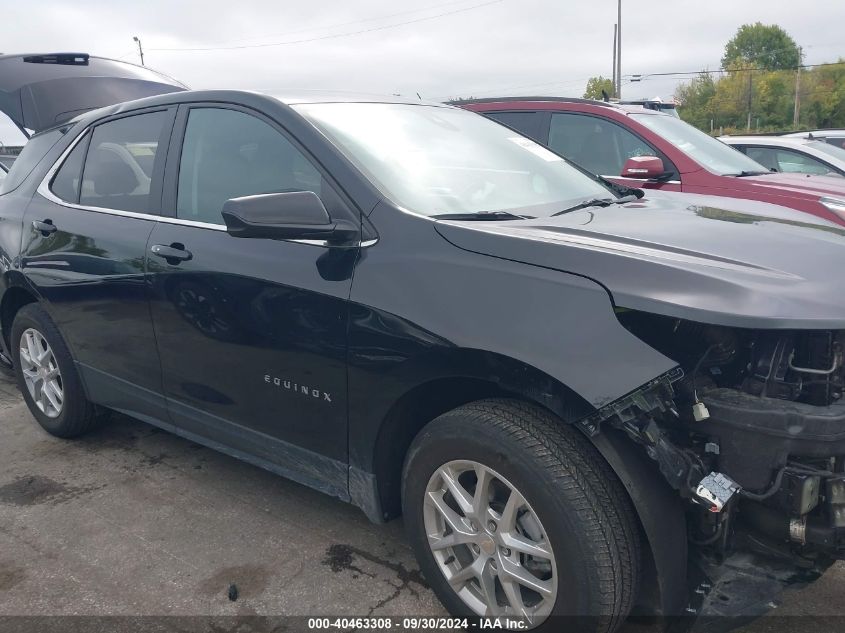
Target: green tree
[(759, 45), (595, 85), (696, 100)]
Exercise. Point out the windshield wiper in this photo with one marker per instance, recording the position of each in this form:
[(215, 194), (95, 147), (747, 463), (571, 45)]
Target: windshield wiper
[(597, 202), (483, 216), (742, 174)]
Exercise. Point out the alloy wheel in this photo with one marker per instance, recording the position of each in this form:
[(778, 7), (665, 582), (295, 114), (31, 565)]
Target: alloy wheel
[(41, 373), (489, 543)]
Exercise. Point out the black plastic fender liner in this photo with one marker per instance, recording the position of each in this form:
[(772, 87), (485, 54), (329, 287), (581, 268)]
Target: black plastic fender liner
[(661, 516)]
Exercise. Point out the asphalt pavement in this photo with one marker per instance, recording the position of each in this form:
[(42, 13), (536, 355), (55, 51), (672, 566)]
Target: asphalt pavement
[(134, 521)]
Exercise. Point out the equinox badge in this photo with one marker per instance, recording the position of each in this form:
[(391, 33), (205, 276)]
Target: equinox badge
[(296, 387)]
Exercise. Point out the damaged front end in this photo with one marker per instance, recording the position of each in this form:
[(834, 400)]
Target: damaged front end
[(751, 431)]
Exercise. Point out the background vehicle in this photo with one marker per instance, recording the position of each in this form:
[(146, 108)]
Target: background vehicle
[(666, 107), (834, 137), (3, 172), (791, 155), (419, 311), (614, 140)]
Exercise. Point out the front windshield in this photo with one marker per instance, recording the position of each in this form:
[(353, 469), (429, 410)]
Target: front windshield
[(710, 153), (440, 160), (827, 148)]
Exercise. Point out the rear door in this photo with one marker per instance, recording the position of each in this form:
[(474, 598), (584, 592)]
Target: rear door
[(251, 332), (85, 236)]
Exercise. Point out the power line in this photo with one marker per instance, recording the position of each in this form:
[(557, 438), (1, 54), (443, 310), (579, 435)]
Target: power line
[(644, 76), (342, 24), (334, 36)]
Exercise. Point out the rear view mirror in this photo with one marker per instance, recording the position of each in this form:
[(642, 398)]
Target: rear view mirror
[(294, 215), (643, 167)]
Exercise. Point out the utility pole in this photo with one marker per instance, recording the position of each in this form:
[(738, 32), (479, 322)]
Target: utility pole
[(615, 94), (750, 94), (619, 48), (140, 49), (796, 113)]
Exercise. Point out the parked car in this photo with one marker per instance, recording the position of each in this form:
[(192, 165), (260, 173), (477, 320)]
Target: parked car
[(637, 147), (832, 136), (421, 312), (791, 155)]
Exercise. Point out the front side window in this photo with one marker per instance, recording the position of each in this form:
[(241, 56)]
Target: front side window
[(717, 157), (228, 154), (598, 145), (798, 163), (788, 161), (436, 160), (119, 167)]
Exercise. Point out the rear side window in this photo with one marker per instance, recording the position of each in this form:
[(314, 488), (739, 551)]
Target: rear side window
[(120, 164), (527, 123), (228, 154), (34, 150)]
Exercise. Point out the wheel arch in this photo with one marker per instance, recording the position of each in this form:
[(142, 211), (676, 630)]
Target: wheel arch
[(664, 588), (376, 482), (15, 296), (474, 375)]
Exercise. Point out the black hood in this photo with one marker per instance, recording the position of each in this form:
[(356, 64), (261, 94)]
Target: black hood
[(707, 259), (39, 91)]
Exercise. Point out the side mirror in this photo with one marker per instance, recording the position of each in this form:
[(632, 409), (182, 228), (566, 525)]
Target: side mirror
[(643, 167), (293, 215)]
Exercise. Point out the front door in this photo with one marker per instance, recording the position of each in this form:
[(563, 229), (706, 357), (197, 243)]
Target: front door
[(251, 332), (84, 245)]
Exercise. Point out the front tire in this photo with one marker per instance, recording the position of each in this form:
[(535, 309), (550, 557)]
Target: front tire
[(47, 376), (512, 513)]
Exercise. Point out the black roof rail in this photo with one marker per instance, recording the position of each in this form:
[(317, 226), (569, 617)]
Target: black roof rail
[(530, 98), (65, 59)]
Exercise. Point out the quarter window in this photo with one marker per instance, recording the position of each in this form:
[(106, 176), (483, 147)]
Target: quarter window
[(67, 180), (228, 154), (120, 166)]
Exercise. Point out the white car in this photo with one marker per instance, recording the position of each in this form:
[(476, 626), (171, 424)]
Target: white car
[(791, 154), (832, 136)]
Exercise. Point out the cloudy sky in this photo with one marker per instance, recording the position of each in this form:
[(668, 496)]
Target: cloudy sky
[(437, 48)]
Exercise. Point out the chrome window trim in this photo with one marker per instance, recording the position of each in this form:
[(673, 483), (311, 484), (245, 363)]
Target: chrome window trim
[(45, 192)]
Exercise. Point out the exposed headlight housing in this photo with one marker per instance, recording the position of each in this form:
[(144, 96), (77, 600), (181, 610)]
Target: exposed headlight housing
[(834, 204)]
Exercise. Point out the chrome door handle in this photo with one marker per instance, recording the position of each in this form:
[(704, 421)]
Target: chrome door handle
[(174, 253), (45, 227)]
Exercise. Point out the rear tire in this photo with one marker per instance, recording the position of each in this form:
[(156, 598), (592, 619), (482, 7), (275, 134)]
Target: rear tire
[(47, 376), (575, 509)]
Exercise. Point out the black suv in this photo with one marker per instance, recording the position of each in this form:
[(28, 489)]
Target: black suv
[(564, 387)]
